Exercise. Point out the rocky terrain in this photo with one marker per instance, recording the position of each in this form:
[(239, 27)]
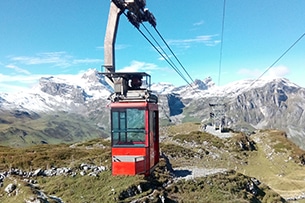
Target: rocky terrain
[(195, 167)]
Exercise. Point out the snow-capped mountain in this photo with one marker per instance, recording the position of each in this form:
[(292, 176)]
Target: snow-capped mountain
[(276, 103), (59, 94)]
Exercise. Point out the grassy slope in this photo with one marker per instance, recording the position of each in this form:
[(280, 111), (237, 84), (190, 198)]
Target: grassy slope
[(78, 189), (275, 162), (61, 155), (184, 150), (227, 187), (50, 128), (223, 187)]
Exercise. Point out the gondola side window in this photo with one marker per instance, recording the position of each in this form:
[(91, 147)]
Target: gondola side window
[(128, 127)]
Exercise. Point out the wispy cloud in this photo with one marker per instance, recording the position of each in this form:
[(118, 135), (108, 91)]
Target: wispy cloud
[(17, 69), (274, 72), (137, 66), (279, 72), (27, 79), (249, 73), (86, 61), (22, 82), (11, 88), (208, 40), (17, 82), (57, 59), (19, 78), (198, 23)]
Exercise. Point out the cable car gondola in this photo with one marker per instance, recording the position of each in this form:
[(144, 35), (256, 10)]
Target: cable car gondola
[(134, 126)]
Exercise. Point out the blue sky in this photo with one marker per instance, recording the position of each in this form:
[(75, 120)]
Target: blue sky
[(43, 38)]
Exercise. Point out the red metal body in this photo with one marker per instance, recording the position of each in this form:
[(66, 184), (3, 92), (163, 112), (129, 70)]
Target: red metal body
[(134, 137)]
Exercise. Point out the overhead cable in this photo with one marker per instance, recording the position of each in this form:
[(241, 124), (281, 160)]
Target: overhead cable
[(179, 73), (221, 43), (173, 54), (165, 58), (272, 65), (168, 57)]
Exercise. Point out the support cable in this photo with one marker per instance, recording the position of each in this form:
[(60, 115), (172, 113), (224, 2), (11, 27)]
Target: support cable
[(272, 65), (179, 73), (173, 53), (176, 68), (165, 58), (221, 44)]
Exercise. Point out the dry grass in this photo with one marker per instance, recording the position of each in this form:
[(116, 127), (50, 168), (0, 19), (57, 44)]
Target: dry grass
[(275, 160), (270, 163), (45, 156), (276, 163), (223, 187), (183, 128)]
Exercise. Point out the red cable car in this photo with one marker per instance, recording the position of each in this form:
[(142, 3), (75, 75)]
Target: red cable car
[(134, 126)]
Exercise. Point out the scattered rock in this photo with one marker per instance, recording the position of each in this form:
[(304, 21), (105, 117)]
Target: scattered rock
[(37, 172), (10, 188), (140, 188), (2, 177)]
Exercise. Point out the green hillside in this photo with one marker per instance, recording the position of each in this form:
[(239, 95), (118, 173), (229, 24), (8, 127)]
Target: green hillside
[(22, 129), (264, 167)]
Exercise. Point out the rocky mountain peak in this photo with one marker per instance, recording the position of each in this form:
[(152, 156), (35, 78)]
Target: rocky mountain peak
[(276, 103), (285, 85), (78, 88), (1, 100), (162, 88), (200, 85), (91, 75), (203, 84), (209, 82), (55, 87)]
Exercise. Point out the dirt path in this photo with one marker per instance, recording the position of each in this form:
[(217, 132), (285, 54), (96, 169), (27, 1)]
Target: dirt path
[(195, 172)]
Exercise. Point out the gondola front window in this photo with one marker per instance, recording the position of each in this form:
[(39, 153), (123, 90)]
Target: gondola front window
[(128, 127)]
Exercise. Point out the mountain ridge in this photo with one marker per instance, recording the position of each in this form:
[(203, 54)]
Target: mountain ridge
[(276, 103)]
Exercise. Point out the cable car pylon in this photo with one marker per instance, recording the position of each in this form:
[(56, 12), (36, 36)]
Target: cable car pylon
[(218, 115)]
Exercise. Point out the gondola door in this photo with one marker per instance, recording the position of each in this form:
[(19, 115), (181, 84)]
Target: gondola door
[(153, 137)]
